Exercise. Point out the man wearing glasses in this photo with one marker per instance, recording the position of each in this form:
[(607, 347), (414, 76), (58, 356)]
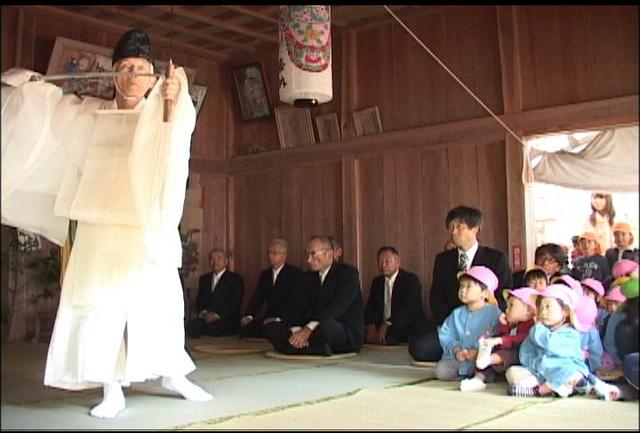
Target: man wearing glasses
[(330, 293), (273, 289)]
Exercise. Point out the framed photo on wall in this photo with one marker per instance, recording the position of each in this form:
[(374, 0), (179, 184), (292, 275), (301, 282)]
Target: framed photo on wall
[(367, 121), (198, 93), (75, 57), (328, 127), (252, 91), (294, 126)]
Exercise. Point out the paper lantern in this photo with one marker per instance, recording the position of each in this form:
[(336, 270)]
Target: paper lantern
[(305, 55)]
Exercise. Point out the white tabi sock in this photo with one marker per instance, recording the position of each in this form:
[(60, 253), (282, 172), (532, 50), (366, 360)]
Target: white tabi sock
[(187, 389), (112, 403)]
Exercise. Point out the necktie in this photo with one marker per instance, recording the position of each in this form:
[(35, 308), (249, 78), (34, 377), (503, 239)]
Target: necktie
[(216, 278), (463, 260), (387, 298), (275, 276)]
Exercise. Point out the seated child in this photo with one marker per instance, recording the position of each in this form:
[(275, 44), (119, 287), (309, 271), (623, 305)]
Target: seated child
[(595, 290), (514, 328), (570, 282), (536, 278), (551, 356), (592, 264), (626, 336), (586, 312), (460, 331), (610, 359)]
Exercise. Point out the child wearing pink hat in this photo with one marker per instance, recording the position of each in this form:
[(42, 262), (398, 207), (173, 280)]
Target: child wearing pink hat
[(594, 289), (610, 359), (586, 313), (514, 328), (551, 356), (477, 316)]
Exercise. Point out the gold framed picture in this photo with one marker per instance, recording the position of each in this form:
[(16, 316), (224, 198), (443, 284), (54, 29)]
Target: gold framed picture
[(367, 121), (328, 127), (294, 126)]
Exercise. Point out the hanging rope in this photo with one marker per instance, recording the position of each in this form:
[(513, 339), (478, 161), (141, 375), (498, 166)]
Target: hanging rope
[(454, 76)]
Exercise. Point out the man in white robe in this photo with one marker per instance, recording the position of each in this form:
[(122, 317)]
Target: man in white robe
[(120, 171)]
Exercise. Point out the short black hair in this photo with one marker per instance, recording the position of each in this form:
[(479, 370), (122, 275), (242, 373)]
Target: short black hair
[(534, 274), (554, 250), (472, 217), (387, 248), (482, 285)]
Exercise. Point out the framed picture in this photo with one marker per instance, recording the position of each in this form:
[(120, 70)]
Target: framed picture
[(294, 126), (161, 65), (70, 57), (198, 93), (328, 127), (252, 91), (74, 57), (367, 121)]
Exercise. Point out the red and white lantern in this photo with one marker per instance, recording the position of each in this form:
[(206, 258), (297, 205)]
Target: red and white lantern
[(305, 55)]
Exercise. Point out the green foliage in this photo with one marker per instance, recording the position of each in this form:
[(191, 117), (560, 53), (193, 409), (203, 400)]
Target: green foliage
[(46, 272), (190, 253)]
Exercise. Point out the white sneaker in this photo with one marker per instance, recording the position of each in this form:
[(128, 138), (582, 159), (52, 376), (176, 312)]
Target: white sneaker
[(483, 360), (473, 384)]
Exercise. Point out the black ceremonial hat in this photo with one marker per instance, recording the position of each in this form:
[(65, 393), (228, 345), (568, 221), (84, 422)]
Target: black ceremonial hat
[(134, 43)]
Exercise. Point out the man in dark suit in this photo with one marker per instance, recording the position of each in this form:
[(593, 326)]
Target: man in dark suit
[(274, 285), (550, 257), (394, 308), (331, 292), (218, 299), (463, 223)]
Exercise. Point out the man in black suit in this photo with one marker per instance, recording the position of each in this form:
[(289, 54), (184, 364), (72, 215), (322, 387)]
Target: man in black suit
[(394, 308), (274, 285), (331, 292), (218, 299), (463, 223)]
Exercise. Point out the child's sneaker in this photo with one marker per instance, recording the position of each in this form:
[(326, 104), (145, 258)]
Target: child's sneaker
[(473, 384), (523, 391), (483, 360)]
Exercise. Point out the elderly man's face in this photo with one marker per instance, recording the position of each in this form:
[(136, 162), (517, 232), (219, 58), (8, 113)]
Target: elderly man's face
[(319, 256), (134, 87), (218, 261)]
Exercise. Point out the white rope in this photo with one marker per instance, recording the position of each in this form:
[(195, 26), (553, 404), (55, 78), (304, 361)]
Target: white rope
[(454, 76)]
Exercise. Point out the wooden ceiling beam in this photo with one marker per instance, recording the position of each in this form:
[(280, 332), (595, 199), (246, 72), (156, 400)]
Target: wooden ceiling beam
[(178, 29), (120, 29), (180, 11), (250, 12)]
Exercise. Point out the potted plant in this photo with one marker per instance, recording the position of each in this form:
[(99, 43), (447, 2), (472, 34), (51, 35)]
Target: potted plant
[(45, 271)]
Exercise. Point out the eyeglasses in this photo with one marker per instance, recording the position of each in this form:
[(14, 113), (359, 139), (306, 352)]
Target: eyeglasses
[(315, 254), (275, 252)]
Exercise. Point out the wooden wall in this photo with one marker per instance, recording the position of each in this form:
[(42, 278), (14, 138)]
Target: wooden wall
[(541, 68)]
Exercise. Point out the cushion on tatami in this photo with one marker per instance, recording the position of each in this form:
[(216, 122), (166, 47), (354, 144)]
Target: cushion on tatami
[(424, 363), (231, 346), (277, 355), (399, 347)]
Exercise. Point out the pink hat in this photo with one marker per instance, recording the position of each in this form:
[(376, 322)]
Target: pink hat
[(525, 294), (594, 285), (585, 312), (571, 282), (623, 267), (615, 295), (562, 292), (484, 275)]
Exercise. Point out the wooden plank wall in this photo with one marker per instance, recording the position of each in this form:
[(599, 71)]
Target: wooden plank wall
[(546, 68)]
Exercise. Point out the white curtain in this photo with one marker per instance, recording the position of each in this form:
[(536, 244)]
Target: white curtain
[(607, 162)]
